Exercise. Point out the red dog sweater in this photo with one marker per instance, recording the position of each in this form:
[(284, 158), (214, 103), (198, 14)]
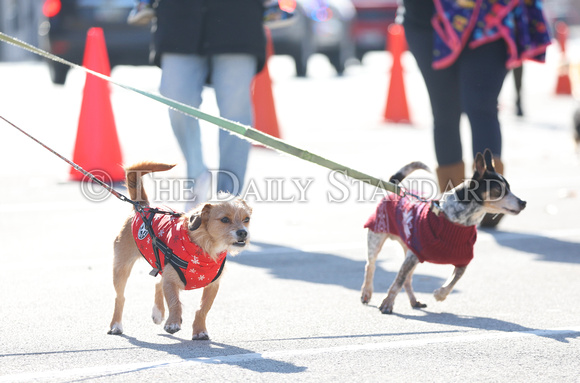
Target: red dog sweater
[(431, 237), (201, 269)]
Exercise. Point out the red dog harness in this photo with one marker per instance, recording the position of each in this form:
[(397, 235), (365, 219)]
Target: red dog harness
[(194, 266), (431, 237)]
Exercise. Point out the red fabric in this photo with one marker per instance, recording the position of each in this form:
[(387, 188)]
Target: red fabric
[(430, 237), (201, 268)]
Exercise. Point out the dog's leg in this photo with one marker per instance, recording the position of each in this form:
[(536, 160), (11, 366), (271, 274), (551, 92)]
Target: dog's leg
[(408, 285), (409, 264), (126, 254), (375, 242), (171, 288), (207, 298), (121, 273), (159, 306), (442, 292)]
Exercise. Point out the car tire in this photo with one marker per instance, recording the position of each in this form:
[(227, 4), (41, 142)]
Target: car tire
[(304, 47), (58, 72), (301, 57), (340, 55)]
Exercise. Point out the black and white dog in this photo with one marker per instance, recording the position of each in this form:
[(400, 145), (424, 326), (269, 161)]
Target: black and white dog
[(431, 232)]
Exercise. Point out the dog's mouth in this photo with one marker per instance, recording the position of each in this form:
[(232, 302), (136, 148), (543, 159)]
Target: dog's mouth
[(512, 211), (240, 243)]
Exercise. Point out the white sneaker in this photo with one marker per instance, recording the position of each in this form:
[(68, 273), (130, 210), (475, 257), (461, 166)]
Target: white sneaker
[(141, 14)]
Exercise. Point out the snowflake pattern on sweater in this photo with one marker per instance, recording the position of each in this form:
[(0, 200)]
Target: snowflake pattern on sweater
[(201, 269)]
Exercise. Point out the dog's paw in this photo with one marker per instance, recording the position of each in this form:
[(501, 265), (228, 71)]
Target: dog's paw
[(440, 294), (386, 307), (172, 328), (366, 295), (201, 336), (418, 305), (116, 329), (157, 315)]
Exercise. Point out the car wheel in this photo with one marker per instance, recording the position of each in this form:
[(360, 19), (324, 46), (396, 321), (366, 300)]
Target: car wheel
[(58, 72), (301, 57), (304, 47), (339, 56)]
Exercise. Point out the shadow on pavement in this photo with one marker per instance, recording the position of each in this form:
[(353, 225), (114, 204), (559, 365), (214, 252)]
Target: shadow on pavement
[(325, 268), (549, 249), (483, 323), (208, 352)]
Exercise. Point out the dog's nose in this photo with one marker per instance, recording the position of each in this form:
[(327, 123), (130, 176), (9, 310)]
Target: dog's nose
[(522, 204), (242, 234)]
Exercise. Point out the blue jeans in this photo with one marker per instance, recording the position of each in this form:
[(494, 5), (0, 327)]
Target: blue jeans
[(183, 78)]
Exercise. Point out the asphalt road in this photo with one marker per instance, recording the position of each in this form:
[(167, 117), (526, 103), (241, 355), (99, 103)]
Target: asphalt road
[(289, 308)]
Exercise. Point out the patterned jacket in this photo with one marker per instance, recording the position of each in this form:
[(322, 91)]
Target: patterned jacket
[(200, 270), (472, 23), (431, 237)]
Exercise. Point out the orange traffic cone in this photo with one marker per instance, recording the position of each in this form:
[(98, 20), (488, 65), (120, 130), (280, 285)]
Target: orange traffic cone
[(563, 85), (265, 118), (97, 145), (396, 109)]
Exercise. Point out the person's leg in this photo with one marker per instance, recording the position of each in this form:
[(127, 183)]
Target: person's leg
[(232, 76), (444, 95), (443, 88), (518, 74), (182, 79), (482, 72)]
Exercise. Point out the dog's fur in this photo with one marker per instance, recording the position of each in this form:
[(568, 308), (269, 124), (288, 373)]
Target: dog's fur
[(486, 192), (223, 226)]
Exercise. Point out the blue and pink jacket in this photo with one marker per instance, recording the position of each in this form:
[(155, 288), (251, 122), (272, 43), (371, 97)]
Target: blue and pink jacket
[(472, 23)]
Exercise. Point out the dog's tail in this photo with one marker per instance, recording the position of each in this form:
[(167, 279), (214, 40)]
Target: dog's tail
[(406, 170), (133, 176)]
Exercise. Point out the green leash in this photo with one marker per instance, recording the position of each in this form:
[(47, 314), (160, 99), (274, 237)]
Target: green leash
[(246, 132)]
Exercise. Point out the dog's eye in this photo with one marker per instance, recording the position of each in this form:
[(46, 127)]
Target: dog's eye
[(225, 220), (246, 220), (497, 192)]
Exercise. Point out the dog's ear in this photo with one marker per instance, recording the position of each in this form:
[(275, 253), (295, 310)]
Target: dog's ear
[(479, 166), (489, 160), (198, 218), (245, 204), (194, 222), (205, 211)]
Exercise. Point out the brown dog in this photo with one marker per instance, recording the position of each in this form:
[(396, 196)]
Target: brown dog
[(199, 242)]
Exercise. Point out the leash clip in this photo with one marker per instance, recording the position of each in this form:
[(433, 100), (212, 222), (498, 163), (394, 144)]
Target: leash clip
[(154, 272)]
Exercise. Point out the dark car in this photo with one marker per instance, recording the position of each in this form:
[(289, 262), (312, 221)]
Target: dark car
[(317, 26), (370, 25), (63, 32)]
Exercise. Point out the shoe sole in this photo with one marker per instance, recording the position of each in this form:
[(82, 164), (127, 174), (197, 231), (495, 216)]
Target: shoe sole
[(142, 17)]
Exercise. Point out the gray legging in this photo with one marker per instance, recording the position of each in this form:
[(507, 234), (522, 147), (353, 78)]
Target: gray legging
[(471, 85)]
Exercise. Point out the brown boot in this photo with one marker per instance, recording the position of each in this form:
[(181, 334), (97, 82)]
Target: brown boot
[(492, 220), (450, 176), (498, 165)]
